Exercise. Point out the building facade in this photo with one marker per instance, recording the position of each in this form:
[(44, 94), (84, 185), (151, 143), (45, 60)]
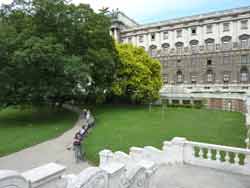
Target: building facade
[(211, 48)]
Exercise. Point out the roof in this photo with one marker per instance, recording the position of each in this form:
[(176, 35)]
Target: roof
[(197, 17)]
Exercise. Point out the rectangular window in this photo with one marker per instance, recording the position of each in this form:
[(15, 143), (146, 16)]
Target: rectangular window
[(165, 78), (179, 33), (130, 40), (226, 27), (178, 62), (193, 79), (226, 59), (165, 35), (244, 59), (244, 43), (141, 38), (244, 76), (179, 78), (153, 37), (209, 28), (244, 24), (226, 77), (210, 77), (209, 62), (193, 31)]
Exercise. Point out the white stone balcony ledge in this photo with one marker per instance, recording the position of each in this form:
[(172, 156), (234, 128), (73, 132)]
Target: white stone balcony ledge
[(189, 176)]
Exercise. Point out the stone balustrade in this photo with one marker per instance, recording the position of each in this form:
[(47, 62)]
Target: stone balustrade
[(225, 158), (180, 150), (138, 169)]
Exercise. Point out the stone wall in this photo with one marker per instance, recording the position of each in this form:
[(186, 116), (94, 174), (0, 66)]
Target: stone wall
[(235, 105)]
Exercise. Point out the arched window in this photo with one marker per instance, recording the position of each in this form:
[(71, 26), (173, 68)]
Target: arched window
[(153, 50), (142, 47), (244, 40), (179, 47), (165, 47), (179, 77), (194, 45), (209, 44), (244, 75), (226, 42)]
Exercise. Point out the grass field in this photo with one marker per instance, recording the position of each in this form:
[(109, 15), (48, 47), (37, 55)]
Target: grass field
[(119, 128), (20, 129)]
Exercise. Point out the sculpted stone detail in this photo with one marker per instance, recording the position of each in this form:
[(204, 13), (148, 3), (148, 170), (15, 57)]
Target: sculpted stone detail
[(90, 178), (137, 178), (11, 179)]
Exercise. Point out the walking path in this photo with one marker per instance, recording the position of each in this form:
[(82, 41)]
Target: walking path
[(50, 151)]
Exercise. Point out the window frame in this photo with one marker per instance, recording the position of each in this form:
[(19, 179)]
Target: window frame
[(209, 29), (193, 29), (226, 27), (242, 26), (179, 33), (165, 35)]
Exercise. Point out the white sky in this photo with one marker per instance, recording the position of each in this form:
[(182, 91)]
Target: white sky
[(155, 10), (137, 8)]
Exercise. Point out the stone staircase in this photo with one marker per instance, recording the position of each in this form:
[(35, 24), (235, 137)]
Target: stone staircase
[(180, 164)]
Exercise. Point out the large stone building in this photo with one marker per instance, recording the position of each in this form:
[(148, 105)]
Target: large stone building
[(210, 48)]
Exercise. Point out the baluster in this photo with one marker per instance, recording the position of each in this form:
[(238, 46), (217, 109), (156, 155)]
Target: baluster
[(227, 157), (209, 154), (193, 151), (236, 159), (218, 156), (201, 153)]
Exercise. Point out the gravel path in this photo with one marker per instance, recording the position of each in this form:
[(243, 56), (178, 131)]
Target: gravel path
[(50, 151)]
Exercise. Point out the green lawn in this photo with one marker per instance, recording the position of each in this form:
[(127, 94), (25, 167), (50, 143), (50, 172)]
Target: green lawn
[(119, 128), (20, 129)]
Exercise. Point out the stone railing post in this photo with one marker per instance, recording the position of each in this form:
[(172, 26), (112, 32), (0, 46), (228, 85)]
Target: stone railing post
[(136, 154), (188, 153), (174, 150), (116, 175), (106, 157), (247, 163)]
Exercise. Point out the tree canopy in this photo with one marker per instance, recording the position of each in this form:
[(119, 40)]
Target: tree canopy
[(138, 75), (53, 51)]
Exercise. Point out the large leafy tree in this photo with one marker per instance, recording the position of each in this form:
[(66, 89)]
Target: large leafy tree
[(52, 52), (138, 76)]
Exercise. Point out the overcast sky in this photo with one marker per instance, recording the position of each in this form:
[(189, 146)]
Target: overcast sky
[(145, 11)]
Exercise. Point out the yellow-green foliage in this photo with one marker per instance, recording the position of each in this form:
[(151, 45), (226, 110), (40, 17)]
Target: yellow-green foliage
[(139, 76)]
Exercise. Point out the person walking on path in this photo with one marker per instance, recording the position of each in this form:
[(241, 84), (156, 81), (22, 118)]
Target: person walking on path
[(77, 143)]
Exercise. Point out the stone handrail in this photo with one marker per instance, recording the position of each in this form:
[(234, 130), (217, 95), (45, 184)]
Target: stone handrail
[(180, 150), (236, 160), (220, 147)]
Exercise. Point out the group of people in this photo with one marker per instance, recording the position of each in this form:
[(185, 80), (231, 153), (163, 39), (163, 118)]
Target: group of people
[(79, 137)]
